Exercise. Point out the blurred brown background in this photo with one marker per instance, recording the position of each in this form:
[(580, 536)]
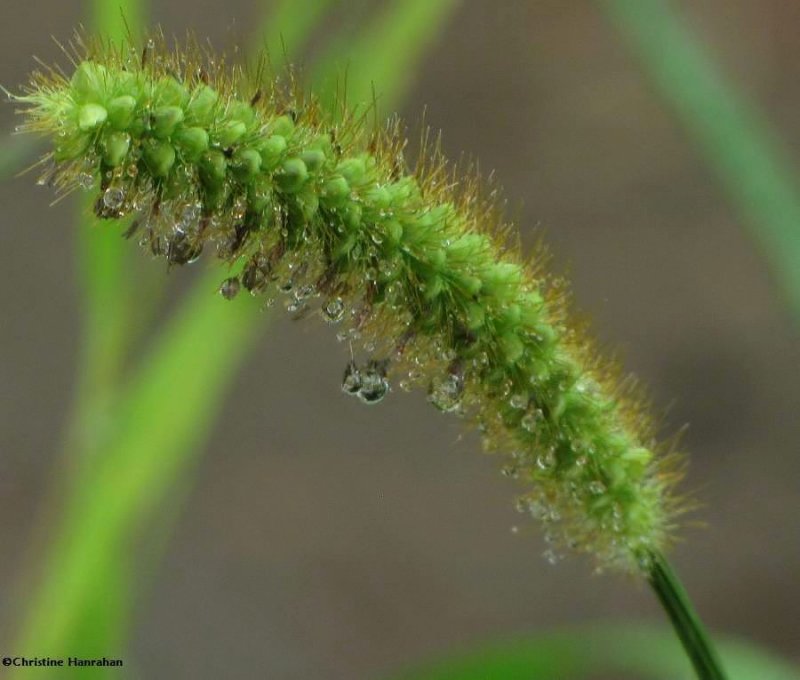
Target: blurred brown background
[(323, 539)]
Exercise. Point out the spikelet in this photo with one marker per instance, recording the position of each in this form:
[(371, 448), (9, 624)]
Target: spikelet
[(415, 263)]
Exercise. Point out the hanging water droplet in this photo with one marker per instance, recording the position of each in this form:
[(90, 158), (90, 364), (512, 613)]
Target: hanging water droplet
[(229, 288), (334, 310), (188, 218), (552, 556), (254, 277), (509, 471), (522, 504), (374, 385), (113, 198), (445, 394), (181, 250), (351, 382)]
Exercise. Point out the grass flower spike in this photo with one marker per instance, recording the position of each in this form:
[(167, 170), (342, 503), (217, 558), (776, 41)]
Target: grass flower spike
[(413, 264)]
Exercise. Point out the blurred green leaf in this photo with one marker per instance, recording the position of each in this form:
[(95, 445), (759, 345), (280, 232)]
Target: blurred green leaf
[(641, 651), (737, 141)]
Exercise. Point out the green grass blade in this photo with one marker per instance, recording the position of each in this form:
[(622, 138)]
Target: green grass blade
[(288, 25), (163, 419), (385, 54), (736, 139), (104, 264), (642, 651)]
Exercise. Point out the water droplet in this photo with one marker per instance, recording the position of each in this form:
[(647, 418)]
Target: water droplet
[(113, 198), (596, 487), (531, 419), (85, 180), (254, 277), (229, 288), (333, 310), (304, 293), (351, 382), (374, 385), (552, 556), (522, 504), (445, 394), (189, 216), (546, 460), (519, 400), (181, 250), (510, 471)]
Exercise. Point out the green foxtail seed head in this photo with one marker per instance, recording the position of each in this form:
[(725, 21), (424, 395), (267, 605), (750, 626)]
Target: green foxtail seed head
[(414, 264)]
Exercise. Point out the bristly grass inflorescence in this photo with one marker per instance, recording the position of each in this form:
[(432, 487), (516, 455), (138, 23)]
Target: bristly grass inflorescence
[(415, 264)]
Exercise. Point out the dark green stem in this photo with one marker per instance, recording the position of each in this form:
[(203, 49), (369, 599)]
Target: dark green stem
[(685, 620)]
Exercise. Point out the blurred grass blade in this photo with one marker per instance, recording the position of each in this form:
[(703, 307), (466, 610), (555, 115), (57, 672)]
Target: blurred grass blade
[(101, 619), (642, 651), (386, 53), (288, 25), (112, 19), (736, 139), (163, 419), (104, 264)]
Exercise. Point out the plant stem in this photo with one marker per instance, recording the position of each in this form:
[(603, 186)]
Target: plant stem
[(687, 623)]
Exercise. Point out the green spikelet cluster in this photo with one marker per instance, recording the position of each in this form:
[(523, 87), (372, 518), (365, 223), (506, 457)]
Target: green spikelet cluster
[(415, 265)]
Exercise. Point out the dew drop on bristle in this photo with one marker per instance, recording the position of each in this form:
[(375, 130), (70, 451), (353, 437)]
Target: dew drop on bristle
[(85, 180), (546, 460), (254, 278), (180, 250), (446, 393), (113, 198), (374, 385), (596, 487), (333, 310), (351, 382), (518, 400), (229, 288), (531, 419)]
